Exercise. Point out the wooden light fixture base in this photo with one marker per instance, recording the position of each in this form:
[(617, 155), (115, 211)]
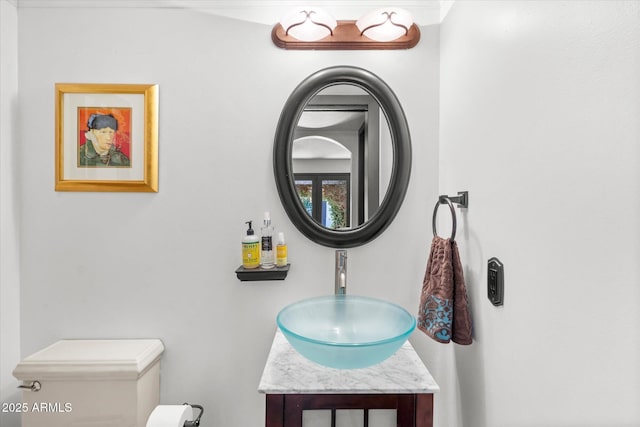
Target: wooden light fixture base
[(346, 36)]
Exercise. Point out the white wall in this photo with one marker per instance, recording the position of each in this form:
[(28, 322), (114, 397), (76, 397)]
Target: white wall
[(540, 121), (9, 205), (163, 266)]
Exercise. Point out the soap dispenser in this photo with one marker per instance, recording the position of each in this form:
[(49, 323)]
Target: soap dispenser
[(250, 249)]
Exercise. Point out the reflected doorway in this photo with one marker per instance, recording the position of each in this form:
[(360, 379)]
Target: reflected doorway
[(326, 198)]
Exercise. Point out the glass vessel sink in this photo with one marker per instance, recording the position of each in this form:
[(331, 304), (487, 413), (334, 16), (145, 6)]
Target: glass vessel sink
[(345, 331)]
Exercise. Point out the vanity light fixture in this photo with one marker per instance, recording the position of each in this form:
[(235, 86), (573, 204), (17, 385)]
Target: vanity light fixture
[(314, 29)]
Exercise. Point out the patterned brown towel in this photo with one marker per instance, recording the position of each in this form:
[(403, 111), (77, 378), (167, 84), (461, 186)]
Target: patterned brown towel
[(443, 313)]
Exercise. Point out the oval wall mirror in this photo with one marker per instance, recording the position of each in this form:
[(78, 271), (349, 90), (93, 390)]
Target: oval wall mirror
[(342, 156)]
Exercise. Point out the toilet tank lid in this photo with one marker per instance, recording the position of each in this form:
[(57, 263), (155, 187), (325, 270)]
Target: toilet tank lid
[(91, 360)]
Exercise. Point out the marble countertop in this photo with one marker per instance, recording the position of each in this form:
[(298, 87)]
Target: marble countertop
[(288, 372)]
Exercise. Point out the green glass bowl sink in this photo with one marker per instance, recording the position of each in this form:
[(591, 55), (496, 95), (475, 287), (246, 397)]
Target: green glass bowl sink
[(345, 331)]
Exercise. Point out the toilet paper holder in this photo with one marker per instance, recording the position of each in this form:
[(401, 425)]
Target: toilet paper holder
[(196, 422)]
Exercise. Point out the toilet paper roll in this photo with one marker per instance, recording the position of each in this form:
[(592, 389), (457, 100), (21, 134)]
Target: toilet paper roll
[(170, 416)]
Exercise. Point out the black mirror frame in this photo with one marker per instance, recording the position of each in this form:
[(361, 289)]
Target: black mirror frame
[(283, 145)]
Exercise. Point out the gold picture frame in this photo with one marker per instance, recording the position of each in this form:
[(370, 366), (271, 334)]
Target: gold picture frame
[(106, 137)]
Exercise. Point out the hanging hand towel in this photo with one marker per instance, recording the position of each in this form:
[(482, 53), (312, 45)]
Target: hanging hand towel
[(444, 313)]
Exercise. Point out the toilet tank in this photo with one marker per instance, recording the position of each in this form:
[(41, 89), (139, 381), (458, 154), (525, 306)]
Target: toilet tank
[(91, 383)]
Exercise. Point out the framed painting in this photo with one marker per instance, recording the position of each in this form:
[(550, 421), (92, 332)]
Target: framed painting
[(106, 137)]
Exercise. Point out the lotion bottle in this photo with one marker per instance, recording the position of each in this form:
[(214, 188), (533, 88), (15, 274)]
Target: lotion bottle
[(267, 256), (250, 249), (281, 251)]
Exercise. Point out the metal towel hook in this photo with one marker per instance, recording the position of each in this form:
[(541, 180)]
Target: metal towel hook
[(462, 200)]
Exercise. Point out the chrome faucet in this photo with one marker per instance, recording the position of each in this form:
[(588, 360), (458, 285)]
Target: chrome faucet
[(341, 272)]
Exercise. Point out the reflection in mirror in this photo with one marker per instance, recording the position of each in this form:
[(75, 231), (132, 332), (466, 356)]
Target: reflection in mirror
[(342, 156)]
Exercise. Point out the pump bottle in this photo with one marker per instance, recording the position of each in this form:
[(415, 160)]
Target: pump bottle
[(250, 249), (267, 256)]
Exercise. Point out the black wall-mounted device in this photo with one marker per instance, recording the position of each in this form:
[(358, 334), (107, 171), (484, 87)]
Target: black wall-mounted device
[(495, 282)]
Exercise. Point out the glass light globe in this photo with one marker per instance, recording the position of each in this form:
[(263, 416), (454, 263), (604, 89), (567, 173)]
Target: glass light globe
[(308, 24), (385, 25)]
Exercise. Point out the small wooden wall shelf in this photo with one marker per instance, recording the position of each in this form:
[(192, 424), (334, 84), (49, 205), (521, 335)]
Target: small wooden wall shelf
[(259, 273), (346, 36)]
